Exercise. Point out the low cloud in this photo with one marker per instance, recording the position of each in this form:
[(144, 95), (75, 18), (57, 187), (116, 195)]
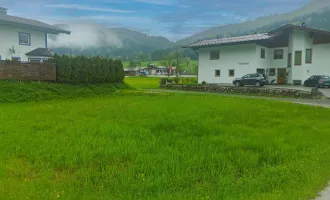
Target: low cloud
[(84, 36)]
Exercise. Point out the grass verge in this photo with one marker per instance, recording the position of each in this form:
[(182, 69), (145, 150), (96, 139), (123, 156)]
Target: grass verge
[(166, 146)]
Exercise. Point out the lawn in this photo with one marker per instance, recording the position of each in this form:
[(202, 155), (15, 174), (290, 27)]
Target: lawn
[(139, 82), (163, 146)]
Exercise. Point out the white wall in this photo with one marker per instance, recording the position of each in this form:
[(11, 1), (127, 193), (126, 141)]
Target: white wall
[(231, 56), (320, 62), (241, 58), (9, 38)]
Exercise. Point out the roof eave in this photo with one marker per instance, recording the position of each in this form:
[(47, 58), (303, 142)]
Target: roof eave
[(224, 44), (47, 30)]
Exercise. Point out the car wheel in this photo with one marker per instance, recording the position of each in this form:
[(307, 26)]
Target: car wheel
[(237, 83), (305, 84), (257, 84)]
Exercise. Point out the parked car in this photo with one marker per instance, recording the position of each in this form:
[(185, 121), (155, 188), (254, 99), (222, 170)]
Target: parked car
[(256, 79), (318, 80)]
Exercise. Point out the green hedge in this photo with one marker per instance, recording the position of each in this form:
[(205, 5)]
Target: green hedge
[(16, 91), (81, 69)]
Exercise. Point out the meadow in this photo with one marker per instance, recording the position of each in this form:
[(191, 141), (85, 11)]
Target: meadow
[(138, 145), (139, 82)]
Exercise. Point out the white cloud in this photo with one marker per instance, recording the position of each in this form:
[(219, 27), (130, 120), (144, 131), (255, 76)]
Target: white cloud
[(84, 7), (84, 36)]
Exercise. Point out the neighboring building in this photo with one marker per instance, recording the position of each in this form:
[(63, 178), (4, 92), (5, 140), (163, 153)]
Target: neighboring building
[(24, 39), (289, 54), (131, 71)]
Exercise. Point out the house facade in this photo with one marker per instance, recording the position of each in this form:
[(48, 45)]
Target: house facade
[(24, 39), (289, 54)]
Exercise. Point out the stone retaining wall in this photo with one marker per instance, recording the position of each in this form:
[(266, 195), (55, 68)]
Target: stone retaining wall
[(262, 91)]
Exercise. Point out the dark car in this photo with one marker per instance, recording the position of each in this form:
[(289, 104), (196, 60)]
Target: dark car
[(252, 79), (318, 80)]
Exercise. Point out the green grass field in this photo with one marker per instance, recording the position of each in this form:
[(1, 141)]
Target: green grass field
[(137, 145), (143, 82)]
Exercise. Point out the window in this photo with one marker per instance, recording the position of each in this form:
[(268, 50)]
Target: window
[(272, 72), (260, 71), (217, 73), (246, 76), (255, 75), (24, 39), (214, 55), (231, 72), (297, 58), (35, 60), (278, 54), (289, 59), (263, 53), (309, 54)]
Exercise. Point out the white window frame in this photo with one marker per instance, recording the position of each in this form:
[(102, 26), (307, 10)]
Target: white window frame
[(24, 43)]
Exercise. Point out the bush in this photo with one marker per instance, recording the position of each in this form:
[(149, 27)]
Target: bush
[(163, 81), (176, 80), (203, 83), (81, 69), (16, 91)]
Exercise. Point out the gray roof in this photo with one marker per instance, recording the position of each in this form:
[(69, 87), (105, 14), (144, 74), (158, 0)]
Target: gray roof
[(43, 52), (28, 23), (230, 40)]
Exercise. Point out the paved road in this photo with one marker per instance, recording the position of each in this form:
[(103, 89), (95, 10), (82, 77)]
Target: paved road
[(312, 102), (325, 194)]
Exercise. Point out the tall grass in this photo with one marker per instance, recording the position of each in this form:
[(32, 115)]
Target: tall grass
[(15, 91), (167, 146)]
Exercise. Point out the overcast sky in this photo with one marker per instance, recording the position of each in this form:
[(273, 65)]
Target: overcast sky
[(174, 19)]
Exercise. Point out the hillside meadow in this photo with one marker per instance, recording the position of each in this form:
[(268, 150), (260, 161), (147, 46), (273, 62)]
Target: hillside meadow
[(145, 145)]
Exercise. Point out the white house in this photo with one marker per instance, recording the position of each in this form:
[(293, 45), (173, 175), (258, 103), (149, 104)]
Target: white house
[(24, 39), (289, 54)]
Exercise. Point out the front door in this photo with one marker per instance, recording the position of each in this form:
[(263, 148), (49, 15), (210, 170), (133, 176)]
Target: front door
[(281, 75)]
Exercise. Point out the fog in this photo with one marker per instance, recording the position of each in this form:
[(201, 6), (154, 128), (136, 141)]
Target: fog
[(84, 36)]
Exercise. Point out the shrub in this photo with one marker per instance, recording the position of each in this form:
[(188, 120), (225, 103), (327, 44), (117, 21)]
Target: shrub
[(176, 80), (163, 81), (203, 83), (81, 69)]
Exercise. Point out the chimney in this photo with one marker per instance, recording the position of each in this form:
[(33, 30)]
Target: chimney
[(3, 11)]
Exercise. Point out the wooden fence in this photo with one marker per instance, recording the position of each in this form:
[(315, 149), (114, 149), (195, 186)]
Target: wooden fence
[(27, 71)]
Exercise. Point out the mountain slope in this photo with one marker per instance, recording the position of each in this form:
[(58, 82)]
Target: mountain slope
[(114, 42), (315, 6)]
